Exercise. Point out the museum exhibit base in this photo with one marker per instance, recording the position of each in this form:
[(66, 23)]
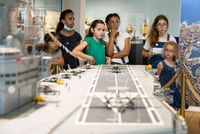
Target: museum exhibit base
[(111, 99)]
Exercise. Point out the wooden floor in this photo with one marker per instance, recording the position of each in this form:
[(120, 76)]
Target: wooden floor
[(193, 122)]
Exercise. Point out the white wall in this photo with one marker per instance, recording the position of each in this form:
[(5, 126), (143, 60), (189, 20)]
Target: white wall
[(51, 5), (78, 7), (134, 11)]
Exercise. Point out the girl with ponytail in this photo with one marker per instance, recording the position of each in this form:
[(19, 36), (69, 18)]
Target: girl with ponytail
[(68, 37)]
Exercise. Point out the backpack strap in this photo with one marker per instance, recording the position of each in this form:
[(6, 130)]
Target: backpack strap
[(118, 49), (122, 58), (168, 37)]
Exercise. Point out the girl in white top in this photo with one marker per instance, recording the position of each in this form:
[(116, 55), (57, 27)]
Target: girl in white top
[(118, 44), (155, 41)]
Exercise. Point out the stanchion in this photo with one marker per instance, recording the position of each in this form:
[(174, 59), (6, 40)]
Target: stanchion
[(182, 110)]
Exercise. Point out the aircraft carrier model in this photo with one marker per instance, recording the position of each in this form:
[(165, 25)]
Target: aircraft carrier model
[(18, 71)]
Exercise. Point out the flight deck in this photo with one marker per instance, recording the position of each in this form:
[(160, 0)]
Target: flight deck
[(104, 99)]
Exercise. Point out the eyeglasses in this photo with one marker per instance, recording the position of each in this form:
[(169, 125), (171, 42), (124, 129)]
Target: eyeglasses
[(162, 25), (169, 50)]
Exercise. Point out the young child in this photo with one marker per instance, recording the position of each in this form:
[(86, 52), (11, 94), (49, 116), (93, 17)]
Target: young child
[(166, 70), (94, 45), (68, 37), (51, 48)]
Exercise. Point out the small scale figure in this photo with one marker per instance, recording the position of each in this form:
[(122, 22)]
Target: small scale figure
[(129, 29), (120, 100), (66, 76), (50, 79), (88, 66), (88, 22), (48, 90), (115, 69), (144, 29)]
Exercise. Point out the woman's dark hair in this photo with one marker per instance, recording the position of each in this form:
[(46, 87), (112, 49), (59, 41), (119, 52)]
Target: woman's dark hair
[(60, 25), (47, 39), (153, 34), (111, 15), (93, 25)]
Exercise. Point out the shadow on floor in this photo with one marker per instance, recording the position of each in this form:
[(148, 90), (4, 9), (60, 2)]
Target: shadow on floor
[(23, 111)]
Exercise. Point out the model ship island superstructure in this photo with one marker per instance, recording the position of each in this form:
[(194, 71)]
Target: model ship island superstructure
[(18, 71)]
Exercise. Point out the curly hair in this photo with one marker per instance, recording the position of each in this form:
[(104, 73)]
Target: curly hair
[(109, 16), (175, 46)]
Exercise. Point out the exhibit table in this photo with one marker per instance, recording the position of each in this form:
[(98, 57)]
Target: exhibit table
[(99, 100)]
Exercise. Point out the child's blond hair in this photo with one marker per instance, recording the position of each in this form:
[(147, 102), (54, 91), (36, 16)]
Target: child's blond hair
[(175, 46)]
